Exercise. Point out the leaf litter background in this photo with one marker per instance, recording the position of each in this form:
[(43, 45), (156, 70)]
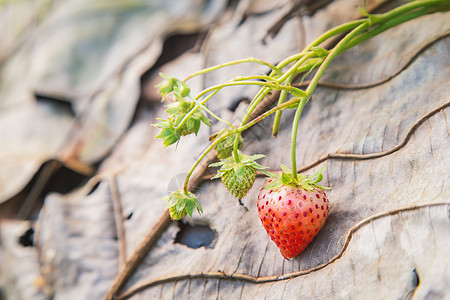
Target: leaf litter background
[(77, 99)]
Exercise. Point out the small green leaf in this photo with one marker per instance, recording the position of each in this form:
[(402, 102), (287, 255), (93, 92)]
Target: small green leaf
[(319, 51), (164, 134), (167, 85), (218, 175), (173, 110), (181, 204), (268, 174), (318, 173), (205, 120), (298, 92), (182, 89), (274, 185), (256, 156), (319, 178), (363, 12), (285, 178), (309, 65), (217, 164), (171, 139), (286, 169), (190, 208), (196, 126), (162, 124), (322, 187), (258, 166), (199, 207)]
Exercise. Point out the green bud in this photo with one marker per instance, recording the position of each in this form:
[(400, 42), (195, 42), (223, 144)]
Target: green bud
[(167, 85), (182, 89), (180, 204)]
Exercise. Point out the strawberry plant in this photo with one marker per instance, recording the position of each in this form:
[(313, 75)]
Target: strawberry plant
[(292, 207)]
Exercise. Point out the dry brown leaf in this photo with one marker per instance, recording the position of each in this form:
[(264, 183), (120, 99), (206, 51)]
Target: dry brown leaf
[(91, 55), (387, 150)]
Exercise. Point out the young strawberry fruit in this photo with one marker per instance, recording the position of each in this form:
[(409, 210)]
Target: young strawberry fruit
[(238, 177), (224, 148), (293, 211)]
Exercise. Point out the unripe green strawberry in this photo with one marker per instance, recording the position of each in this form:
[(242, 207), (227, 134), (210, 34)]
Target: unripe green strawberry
[(177, 112), (182, 90), (238, 177), (225, 147), (186, 129), (182, 203), (176, 215), (167, 85)]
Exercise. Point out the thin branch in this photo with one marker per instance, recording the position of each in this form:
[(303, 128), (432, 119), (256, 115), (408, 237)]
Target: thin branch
[(139, 254), (118, 216)]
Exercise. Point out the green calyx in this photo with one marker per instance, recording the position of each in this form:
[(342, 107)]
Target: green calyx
[(180, 204), (182, 120), (306, 182), (225, 147), (238, 177), (167, 85), (176, 126)]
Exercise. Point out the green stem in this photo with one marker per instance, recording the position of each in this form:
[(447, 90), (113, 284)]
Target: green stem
[(330, 33), (356, 40), (262, 77), (270, 85), (191, 112), (267, 113), (334, 31), (298, 113), (210, 147), (281, 100), (333, 53), (211, 113), (245, 60), (255, 101), (404, 9), (264, 92), (385, 26), (325, 36)]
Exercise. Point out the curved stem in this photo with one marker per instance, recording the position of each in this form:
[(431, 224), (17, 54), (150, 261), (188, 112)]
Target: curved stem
[(255, 101), (262, 94), (404, 9), (281, 100), (245, 60), (271, 85), (311, 87), (210, 147), (262, 77), (211, 113), (267, 113), (333, 53), (191, 112), (385, 26)]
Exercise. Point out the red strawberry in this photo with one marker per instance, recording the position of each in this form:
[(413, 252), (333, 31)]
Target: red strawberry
[(292, 214)]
